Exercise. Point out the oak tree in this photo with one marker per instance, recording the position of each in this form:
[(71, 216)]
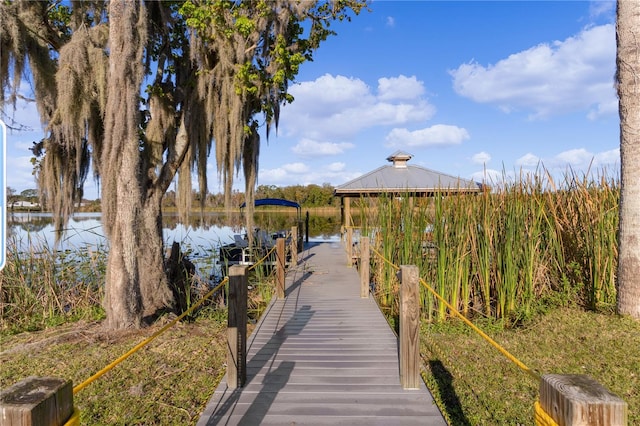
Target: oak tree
[(138, 93)]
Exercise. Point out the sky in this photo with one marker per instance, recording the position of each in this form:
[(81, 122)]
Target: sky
[(479, 90)]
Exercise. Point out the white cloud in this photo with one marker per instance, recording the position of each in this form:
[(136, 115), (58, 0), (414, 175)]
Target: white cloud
[(481, 158), (608, 158), (391, 21), (603, 109), (439, 134), (311, 148), (296, 168), (573, 159), (581, 158), (336, 167), (337, 107), (20, 173), (572, 75), (599, 8), (301, 174), (528, 160), (25, 115), (272, 176), (489, 177), (400, 87)]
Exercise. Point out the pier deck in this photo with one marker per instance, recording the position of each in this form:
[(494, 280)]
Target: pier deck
[(322, 356)]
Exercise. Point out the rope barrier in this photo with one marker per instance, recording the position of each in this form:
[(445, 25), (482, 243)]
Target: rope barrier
[(74, 420), (380, 255), (146, 341), (263, 259), (493, 343), (541, 417)]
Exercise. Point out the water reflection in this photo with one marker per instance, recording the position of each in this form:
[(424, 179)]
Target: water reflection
[(33, 234), (205, 232)]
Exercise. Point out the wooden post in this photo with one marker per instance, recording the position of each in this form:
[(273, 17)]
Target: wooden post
[(346, 221), (409, 327), (575, 399), (349, 246), (306, 228), (46, 401), (281, 263), (364, 267), (237, 327), (294, 245)]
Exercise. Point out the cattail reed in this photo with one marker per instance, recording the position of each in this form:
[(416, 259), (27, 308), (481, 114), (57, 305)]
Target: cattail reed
[(502, 253)]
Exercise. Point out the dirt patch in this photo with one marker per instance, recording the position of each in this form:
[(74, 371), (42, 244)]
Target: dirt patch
[(81, 331)]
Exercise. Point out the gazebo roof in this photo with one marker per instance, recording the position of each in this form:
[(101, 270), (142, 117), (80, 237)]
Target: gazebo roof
[(403, 178)]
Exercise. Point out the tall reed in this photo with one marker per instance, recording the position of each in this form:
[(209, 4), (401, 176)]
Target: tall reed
[(503, 253), (44, 286)]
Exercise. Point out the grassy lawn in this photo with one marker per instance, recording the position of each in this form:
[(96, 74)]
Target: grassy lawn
[(477, 385), (170, 380)]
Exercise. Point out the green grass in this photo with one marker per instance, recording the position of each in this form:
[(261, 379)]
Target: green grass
[(50, 325), (475, 385), (168, 382)]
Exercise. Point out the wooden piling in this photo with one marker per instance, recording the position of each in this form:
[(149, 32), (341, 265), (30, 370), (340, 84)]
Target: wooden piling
[(280, 269), (409, 327), (294, 245), (237, 327), (364, 267), (45, 401), (349, 246), (576, 399)]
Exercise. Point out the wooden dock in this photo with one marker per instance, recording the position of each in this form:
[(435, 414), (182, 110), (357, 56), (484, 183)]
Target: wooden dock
[(322, 356)]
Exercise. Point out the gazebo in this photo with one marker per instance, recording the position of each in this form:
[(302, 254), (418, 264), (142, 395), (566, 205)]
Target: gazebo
[(399, 179)]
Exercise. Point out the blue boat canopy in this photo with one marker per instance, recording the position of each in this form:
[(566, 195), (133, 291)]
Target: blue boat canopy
[(274, 202)]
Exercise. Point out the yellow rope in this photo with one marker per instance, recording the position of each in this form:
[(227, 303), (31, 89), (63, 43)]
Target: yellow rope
[(140, 345), (263, 259), (506, 353), (541, 416), (136, 348), (397, 268), (74, 420), (493, 343)]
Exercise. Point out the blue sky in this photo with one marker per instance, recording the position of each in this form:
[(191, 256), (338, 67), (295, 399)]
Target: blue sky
[(470, 89)]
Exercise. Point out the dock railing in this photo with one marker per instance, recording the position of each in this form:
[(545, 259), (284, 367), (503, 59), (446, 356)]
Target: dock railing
[(564, 399), (49, 401)]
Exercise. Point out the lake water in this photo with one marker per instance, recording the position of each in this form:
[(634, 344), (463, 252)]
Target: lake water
[(32, 231)]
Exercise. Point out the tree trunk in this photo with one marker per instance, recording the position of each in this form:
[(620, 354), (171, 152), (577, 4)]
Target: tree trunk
[(628, 72), (135, 280), (154, 285)]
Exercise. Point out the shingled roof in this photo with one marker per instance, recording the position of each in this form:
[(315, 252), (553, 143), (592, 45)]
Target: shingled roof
[(403, 178)]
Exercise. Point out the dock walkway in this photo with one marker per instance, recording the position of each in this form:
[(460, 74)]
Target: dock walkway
[(322, 356)]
